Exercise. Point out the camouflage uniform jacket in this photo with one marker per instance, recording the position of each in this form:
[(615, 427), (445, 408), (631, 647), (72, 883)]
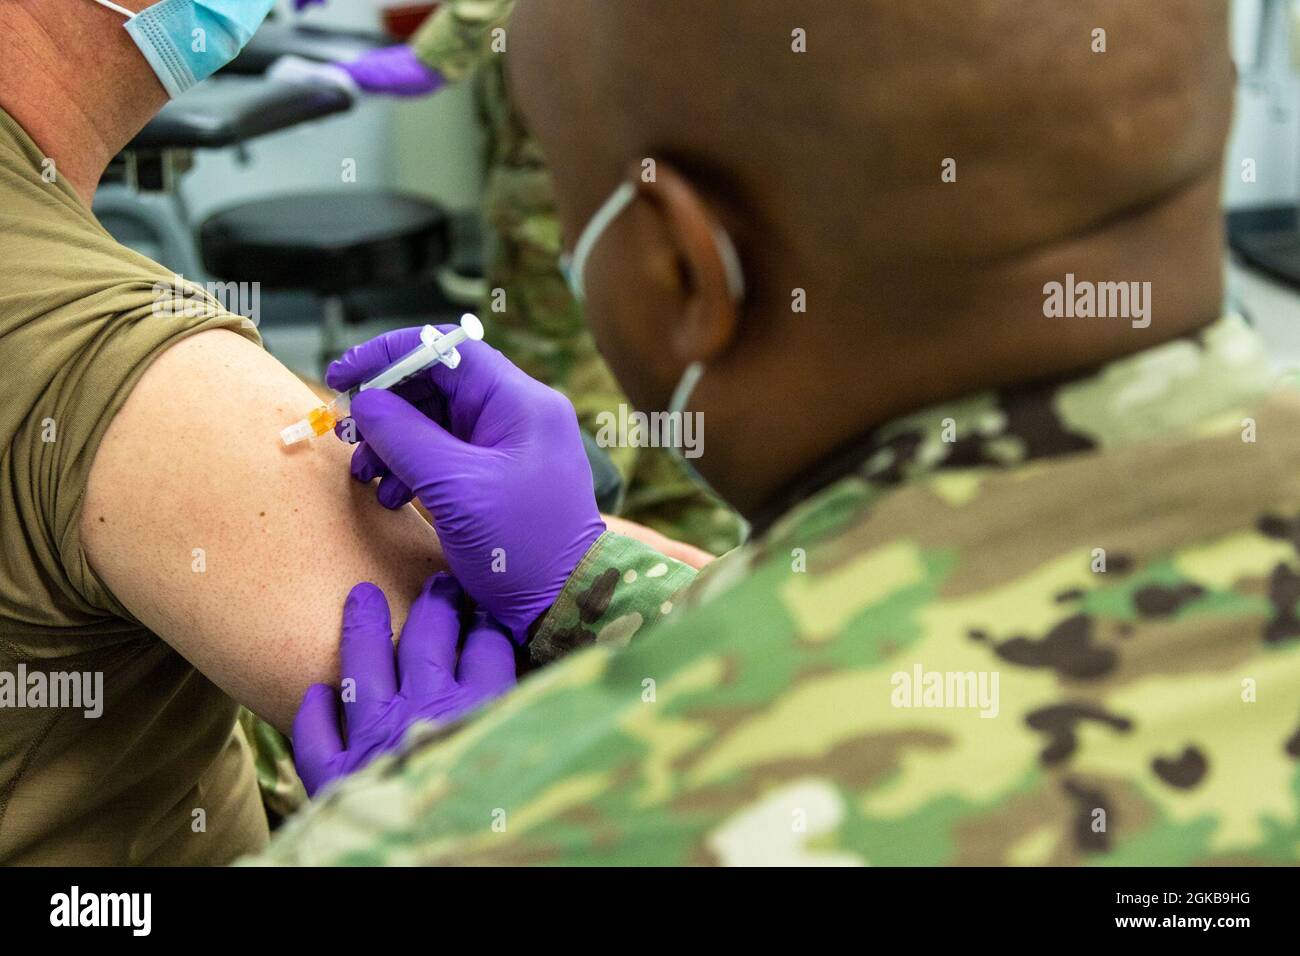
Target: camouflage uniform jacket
[(1054, 625)]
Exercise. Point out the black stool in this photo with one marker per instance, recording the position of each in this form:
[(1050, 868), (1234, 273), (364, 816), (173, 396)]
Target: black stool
[(1268, 238), (330, 243)]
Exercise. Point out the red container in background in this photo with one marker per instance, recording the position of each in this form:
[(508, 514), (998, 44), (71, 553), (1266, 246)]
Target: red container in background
[(403, 19)]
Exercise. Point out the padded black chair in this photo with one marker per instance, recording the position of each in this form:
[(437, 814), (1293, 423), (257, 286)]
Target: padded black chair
[(326, 45), (140, 200), (327, 243)]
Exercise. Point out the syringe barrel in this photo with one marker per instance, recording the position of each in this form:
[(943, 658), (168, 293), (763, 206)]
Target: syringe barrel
[(434, 347), (413, 361)]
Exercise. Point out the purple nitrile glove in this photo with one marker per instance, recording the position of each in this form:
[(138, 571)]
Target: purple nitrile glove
[(394, 70), (303, 4), (495, 456), (386, 691)]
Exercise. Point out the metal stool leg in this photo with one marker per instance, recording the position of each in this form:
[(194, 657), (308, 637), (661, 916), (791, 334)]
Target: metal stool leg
[(333, 327)]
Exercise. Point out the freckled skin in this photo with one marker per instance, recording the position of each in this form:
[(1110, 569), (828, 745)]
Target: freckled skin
[(263, 620)]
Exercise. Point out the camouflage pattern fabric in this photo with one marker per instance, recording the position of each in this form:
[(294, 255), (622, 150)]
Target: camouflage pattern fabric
[(277, 778), (1114, 561), (535, 319)]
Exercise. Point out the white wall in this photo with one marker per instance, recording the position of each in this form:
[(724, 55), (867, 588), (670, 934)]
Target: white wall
[(1267, 125)]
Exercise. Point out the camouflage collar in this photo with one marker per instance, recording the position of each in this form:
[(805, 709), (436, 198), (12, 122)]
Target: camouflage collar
[(1161, 391)]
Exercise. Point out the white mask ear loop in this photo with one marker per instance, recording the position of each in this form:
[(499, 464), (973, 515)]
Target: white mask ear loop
[(113, 6), (731, 264), (613, 208), (575, 266), (685, 386), (736, 288)]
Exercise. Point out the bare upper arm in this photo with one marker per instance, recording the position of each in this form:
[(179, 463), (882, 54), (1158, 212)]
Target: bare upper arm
[(235, 550)]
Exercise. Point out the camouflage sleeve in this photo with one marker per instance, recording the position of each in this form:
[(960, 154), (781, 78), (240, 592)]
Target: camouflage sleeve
[(277, 777), (455, 39), (620, 587), (575, 766)]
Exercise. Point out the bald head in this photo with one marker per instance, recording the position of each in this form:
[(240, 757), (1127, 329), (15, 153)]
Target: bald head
[(1082, 137), (842, 146)]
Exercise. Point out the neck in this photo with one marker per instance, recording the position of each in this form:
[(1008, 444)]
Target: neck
[(80, 117), (947, 336)]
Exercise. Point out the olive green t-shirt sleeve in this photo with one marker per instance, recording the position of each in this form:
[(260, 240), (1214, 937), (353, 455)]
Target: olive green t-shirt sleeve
[(81, 318)]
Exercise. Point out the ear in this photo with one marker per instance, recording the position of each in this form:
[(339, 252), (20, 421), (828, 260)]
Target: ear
[(709, 319)]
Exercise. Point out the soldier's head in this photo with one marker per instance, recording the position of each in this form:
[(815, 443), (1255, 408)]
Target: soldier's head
[(899, 180)]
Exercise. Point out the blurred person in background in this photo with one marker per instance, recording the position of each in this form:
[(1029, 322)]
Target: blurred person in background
[(536, 321)]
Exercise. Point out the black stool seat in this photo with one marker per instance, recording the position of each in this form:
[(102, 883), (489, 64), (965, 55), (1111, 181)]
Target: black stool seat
[(329, 243), (1268, 238)]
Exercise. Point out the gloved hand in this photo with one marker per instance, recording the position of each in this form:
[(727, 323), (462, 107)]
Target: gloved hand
[(302, 4), (394, 70), (421, 680), (495, 456)]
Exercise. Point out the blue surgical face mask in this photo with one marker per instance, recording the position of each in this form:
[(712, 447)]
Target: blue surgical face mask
[(574, 268), (186, 41)]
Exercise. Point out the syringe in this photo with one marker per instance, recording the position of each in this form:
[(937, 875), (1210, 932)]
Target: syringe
[(434, 347)]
